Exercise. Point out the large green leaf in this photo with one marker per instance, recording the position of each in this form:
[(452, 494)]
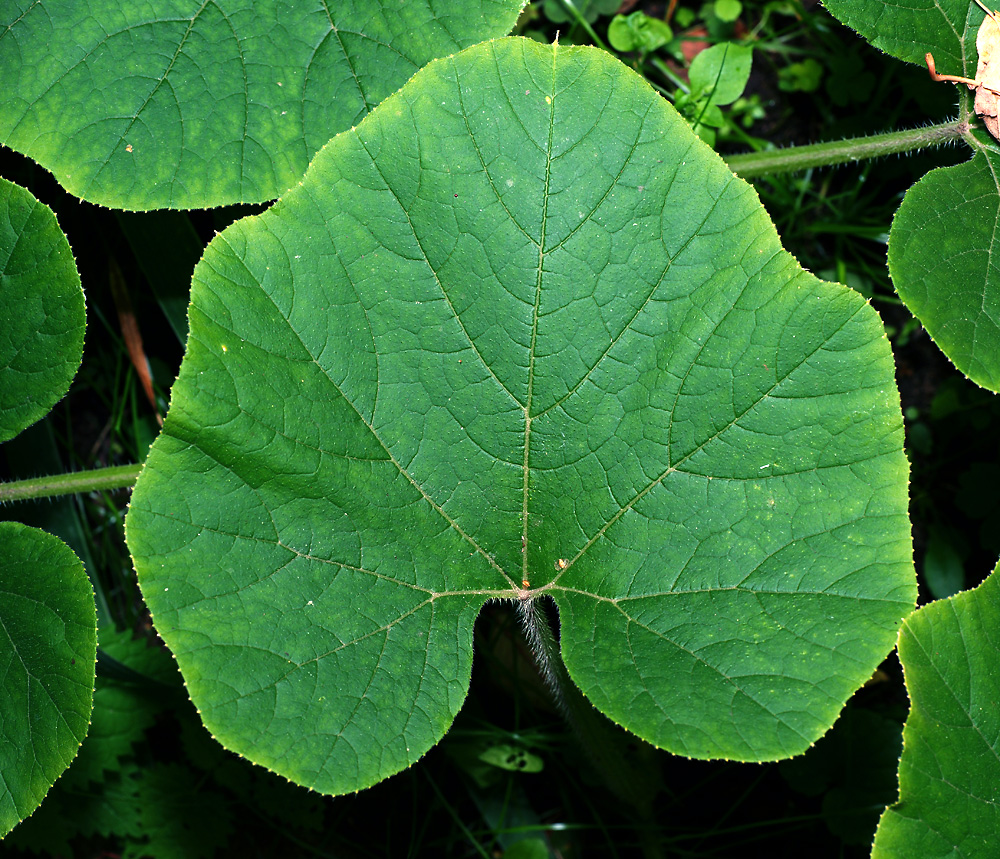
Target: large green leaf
[(949, 774), (521, 333), (943, 264), (42, 315), (48, 644), (200, 104)]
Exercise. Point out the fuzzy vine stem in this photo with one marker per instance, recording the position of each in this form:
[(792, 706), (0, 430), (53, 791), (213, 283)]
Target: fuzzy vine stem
[(753, 165), (609, 748), (113, 477)]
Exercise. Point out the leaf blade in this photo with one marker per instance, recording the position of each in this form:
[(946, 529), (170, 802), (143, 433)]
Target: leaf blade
[(942, 266), (48, 649), (948, 774), (220, 104), (463, 381), (42, 306)]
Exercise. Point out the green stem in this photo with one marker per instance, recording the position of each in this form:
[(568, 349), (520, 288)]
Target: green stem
[(610, 749), (114, 477), (570, 7), (669, 74), (754, 164)]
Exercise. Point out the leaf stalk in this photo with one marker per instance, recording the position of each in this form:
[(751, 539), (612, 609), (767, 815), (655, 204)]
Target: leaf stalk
[(612, 752), (113, 477), (752, 165)]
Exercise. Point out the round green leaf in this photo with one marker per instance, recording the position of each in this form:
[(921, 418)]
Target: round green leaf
[(193, 105), (638, 32), (48, 649), (941, 249), (41, 308), (949, 774), (521, 333), (728, 10), (909, 29)]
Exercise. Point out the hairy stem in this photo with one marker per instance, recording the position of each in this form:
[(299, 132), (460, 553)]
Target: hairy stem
[(754, 164), (114, 477), (609, 748)]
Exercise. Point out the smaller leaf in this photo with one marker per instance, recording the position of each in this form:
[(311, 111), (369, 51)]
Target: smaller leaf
[(943, 570), (801, 77), (122, 711), (513, 758), (854, 768), (949, 774), (638, 32), (42, 308), (941, 259), (728, 10), (721, 71), (48, 649), (181, 820), (109, 809)]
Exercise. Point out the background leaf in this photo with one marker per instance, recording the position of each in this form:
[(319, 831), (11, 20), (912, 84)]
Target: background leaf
[(122, 711), (180, 820), (942, 263), (521, 326), (949, 775), (721, 72), (940, 246), (854, 768), (48, 644), (908, 30), (42, 308), (203, 105)]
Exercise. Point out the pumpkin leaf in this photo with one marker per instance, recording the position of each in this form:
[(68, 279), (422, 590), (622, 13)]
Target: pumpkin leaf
[(949, 775), (196, 106), (48, 648), (908, 31), (42, 308), (943, 267), (520, 333)]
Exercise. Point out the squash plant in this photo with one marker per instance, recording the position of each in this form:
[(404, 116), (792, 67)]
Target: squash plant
[(514, 333)]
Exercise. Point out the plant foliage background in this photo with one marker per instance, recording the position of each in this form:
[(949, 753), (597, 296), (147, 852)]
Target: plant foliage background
[(150, 781)]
